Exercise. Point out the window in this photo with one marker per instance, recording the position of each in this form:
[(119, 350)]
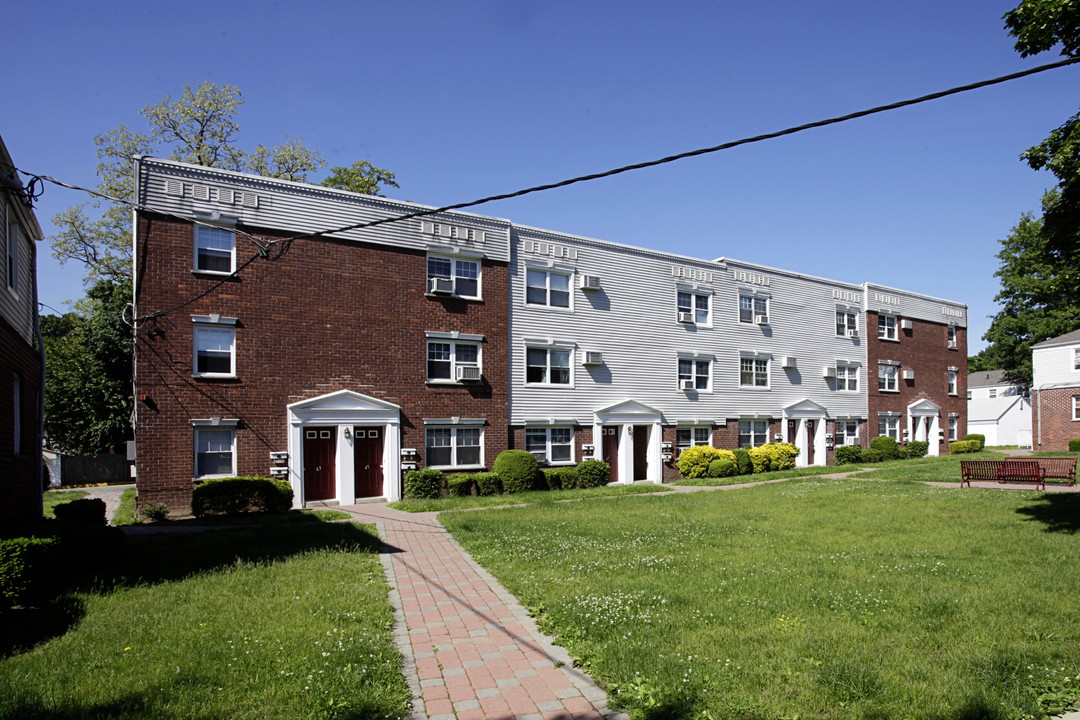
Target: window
[(215, 249), (753, 433), (547, 366), (846, 321), (1076, 407), (1076, 358), (992, 392), (696, 371), (464, 275), (969, 394), (847, 432), (952, 382), (752, 307), (889, 426), (547, 288), (688, 437), (886, 380), (952, 428), (847, 377), (16, 401), (13, 240), (551, 445), (951, 337), (754, 372), (694, 304), (886, 327), (215, 452), (444, 358), (215, 350), (453, 446)]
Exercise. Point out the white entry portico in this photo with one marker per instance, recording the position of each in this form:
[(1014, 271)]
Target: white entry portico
[(341, 416), (923, 424), (804, 427), (631, 431)]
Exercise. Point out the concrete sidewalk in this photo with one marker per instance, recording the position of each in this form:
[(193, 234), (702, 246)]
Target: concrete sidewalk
[(471, 650)]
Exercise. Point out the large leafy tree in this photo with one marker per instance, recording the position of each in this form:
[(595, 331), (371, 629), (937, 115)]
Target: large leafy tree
[(1039, 257)]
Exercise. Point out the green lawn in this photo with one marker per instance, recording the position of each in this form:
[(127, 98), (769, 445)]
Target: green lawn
[(812, 598), (281, 621), (51, 498), (523, 498)]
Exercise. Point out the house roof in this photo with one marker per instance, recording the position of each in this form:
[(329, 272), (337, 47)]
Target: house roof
[(991, 408), (987, 378), (1066, 339)]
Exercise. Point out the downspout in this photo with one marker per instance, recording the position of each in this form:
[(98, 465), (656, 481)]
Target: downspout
[(39, 445), (1039, 390)]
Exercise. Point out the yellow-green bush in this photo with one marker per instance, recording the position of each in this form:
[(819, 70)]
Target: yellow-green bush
[(694, 461), (773, 456)]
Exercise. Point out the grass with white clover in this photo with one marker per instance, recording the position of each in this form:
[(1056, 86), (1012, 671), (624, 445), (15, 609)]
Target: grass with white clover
[(290, 621), (840, 599)]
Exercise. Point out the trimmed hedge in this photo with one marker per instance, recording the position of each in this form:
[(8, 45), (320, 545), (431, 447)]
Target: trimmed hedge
[(560, 478), (848, 454), (886, 446), (963, 446), (459, 485), (1074, 445), (722, 468), (517, 469), (30, 568), (773, 456), (487, 483), (918, 448), (742, 461), (694, 461), (593, 473), (89, 511), (872, 455), (973, 437), (424, 484), (238, 495)]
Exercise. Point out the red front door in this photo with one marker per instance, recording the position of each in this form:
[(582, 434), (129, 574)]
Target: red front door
[(320, 446), (367, 461), (610, 450)]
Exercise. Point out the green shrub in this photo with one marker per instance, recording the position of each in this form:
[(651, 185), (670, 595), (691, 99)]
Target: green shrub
[(424, 484), (29, 569), (886, 446), (593, 473), (154, 511), (773, 456), (722, 468), (459, 485), (90, 511), (694, 461), (848, 454), (963, 446), (873, 455), (517, 469), (974, 437), (918, 448), (560, 478), (742, 461), (1074, 445), (238, 495), (487, 483)]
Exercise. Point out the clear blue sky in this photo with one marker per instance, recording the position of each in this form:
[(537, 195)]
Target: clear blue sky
[(467, 99)]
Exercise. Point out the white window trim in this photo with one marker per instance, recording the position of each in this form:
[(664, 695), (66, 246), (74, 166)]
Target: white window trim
[(1076, 359), (454, 259), (211, 321), (895, 376), (953, 428), (844, 436), (952, 380), (548, 270), (547, 443), (454, 339), (225, 225), (548, 346), (893, 416), (693, 436), (1076, 408), (694, 293), (855, 319), (696, 357), (858, 376), (453, 424), (756, 295), (738, 430), (212, 424), (895, 327), (768, 371)]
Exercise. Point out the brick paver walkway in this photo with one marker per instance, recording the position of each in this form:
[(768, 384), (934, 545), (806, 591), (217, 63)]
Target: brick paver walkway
[(471, 651)]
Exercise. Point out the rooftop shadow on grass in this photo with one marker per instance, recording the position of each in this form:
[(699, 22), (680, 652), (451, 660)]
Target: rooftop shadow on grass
[(22, 628), (1058, 512), (130, 706)]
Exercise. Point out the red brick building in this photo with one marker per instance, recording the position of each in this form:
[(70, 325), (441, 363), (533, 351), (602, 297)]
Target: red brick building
[(1055, 392)]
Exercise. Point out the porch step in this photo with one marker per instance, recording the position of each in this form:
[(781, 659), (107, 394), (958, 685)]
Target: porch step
[(321, 504), (369, 500)]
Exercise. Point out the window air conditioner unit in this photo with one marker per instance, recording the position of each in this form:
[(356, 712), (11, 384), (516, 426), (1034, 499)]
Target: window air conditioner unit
[(593, 357), (540, 455), (590, 282), (468, 372), (686, 318), (908, 374), (687, 385), (905, 324), (952, 344), (853, 333), (761, 319), (788, 362), (440, 286), (828, 371)]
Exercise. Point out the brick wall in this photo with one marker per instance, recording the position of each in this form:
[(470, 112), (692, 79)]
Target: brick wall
[(328, 315), (1055, 425), (19, 485)]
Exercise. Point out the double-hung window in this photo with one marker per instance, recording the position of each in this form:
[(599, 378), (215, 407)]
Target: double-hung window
[(847, 432), (454, 446), (886, 327), (889, 426), (453, 276), (1076, 407), (451, 361), (13, 240), (951, 337), (847, 323), (1076, 358), (547, 366), (952, 428), (547, 287), (694, 374), (847, 377), (215, 451), (753, 309), (688, 437), (551, 445), (215, 346), (753, 433), (952, 381), (754, 372), (694, 305), (215, 250), (887, 373)]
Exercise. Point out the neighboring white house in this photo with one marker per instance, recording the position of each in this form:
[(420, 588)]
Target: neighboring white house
[(998, 409), (1055, 365)]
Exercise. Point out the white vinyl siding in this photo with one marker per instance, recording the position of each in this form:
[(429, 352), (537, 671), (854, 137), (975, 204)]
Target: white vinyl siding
[(548, 288), (694, 304), (754, 372)]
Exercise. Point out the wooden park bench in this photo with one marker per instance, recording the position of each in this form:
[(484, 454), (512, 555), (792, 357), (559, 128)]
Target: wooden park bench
[(1013, 470), (1054, 468)]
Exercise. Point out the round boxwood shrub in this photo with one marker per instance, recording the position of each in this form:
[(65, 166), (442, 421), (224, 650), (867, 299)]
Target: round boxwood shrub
[(886, 446), (917, 448), (976, 438), (459, 485), (773, 456), (872, 455), (694, 461), (236, 495), (487, 483), (1074, 445), (722, 468), (848, 454), (425, 484), (517, 469), (743, 462), (593, 473)]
